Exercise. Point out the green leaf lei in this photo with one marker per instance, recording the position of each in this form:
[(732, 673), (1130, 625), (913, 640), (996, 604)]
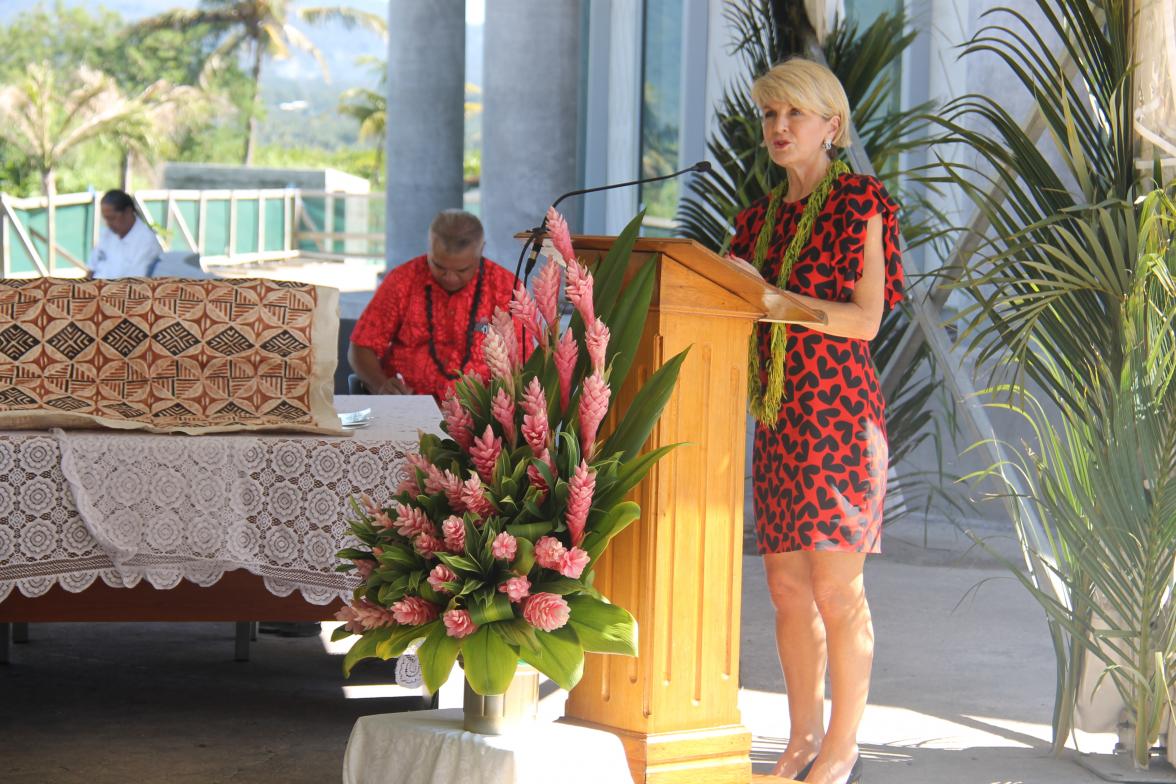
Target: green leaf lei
[(765, 403)]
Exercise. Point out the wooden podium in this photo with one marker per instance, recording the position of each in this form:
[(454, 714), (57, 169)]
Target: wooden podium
[(679, 568)]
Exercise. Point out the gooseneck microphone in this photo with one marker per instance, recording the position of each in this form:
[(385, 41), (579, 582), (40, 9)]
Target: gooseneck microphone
[(533, 245)]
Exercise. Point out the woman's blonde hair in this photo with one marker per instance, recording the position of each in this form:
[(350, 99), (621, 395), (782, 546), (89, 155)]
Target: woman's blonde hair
[(809, 86)]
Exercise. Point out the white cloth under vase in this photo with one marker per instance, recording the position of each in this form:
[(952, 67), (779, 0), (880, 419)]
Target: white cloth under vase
[(125, 506), (430, 747)]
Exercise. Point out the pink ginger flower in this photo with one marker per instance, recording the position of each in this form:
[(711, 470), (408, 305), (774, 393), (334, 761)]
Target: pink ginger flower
[(503, 324), (561, 238), (418, 461), (475, 498), (453, 529), (365, 567), (363, 615), (566, 354), (516, 588), (547, 293), (498, 355), (411, 521), (573, 563), (440, 575), (596, 341), (536, 478), (414, 611), (427, 545), (594, 397), (485, 451), (524, 308), (458, 422), (502, 408), (535, 417), (452, 488), (409, 485), (546, 611), (458, 623), (580, 491), (549, 552), (504, 546), (372, 509), (579, 290), (434, 479)]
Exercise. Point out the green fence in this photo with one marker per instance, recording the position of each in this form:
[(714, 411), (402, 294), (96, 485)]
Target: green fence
[(223, 227)]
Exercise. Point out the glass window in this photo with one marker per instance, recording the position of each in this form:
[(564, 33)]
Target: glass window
[(661, 106)]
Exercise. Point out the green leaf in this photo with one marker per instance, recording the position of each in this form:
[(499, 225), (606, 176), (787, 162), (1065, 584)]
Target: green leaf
[(530, 531), (603, 627), (493, 607), (630, 476), (489, 662), (340, 633), (628, 322), (364, 648), (610, 273), (401, 638), (524, 554), (616, 520), (459, 563), (638, 420), (558, 585), (559, 656), (437, 654), (517, 633)]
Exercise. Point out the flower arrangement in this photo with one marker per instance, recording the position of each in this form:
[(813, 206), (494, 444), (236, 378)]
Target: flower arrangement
[(488, 547)]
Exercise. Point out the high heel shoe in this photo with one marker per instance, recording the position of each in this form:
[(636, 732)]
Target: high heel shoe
[(807, 769), (855, 773)]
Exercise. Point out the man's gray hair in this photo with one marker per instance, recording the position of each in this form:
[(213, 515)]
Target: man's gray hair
[(456, 230)]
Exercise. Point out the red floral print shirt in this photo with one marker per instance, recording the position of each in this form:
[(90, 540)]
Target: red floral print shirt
[(396, 324)]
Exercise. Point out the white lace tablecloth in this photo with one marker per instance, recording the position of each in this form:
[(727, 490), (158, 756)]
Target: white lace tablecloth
[(76, 506)]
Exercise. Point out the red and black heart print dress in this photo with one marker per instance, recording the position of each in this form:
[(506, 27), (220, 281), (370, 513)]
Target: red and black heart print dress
[(820, 476)]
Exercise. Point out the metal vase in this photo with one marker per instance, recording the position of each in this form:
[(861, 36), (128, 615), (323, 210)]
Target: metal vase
[(499, 714)]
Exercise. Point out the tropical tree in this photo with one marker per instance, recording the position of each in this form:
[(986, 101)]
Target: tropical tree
[(257, 28), (766, 32), (1069, 255), (47, 120), (369, 108)]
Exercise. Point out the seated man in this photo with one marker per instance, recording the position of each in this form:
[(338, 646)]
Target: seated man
[(126, 245), (425, 325)]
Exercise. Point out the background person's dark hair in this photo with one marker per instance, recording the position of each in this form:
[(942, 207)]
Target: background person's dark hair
[(120, 200)]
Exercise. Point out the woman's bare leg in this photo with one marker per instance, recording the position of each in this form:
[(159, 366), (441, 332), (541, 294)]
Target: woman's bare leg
[(800, 639), (840, 596)]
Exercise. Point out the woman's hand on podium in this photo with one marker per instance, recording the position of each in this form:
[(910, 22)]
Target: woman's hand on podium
[(744, 265)]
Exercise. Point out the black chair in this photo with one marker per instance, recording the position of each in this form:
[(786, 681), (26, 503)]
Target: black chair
[(355, 385)]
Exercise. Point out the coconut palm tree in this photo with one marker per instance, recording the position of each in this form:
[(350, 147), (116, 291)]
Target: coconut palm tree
[(369, 108), (258, 28), (47, 120)]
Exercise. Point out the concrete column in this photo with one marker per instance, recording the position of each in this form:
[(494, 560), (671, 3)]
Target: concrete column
[(426, 118), (530, 120)]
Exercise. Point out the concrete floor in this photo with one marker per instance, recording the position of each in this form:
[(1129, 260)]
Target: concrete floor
[(962, 691)]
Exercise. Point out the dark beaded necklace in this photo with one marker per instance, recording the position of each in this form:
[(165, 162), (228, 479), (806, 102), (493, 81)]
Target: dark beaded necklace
[(470, 325)]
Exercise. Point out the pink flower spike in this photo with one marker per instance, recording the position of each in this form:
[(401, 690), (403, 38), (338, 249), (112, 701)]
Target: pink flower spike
[(535, 417), (573, 563), (428, 545), (537, 479), (580, 491), (458, 623), (579, 291), (475, 499), (350, 619), (561, 238), (524, 308), (516, 588), (596, 340), (504, 546), (434, 480), (458, 422), (485, 451), (504, 326), (594, 397), (453, 529), (365, 567), (369, 506), (567, 352), (497, 353), (546, 611), (502, 408), (414, 611), (440, 575), (409, 485), (547, 293), (452, 488), (549, 551), (411, 521)]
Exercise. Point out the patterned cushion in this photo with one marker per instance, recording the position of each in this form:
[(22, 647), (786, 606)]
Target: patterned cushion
[(167, 354)]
